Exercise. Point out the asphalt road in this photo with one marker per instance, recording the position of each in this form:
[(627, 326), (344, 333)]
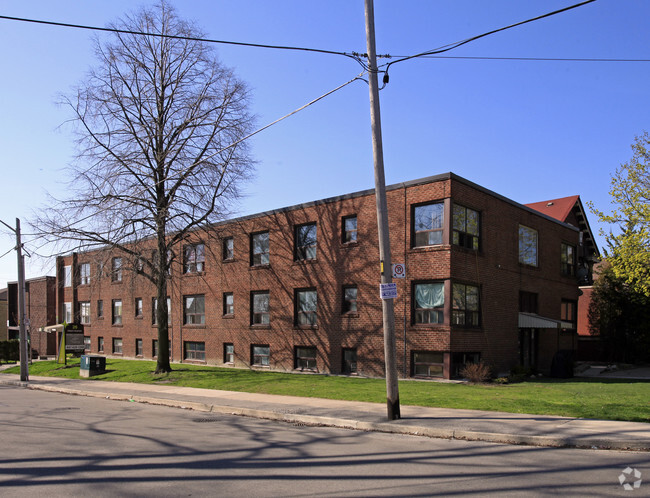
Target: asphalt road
[(60, 445)]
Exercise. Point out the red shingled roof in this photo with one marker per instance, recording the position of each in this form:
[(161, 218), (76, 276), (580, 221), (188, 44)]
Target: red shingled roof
[(556, 208)]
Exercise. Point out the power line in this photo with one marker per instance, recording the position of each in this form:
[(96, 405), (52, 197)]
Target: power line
[(352, 55), (451, 46), (551, 59)]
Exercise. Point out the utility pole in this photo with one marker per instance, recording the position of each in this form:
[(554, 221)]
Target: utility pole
[(390, 355), (24, 357)]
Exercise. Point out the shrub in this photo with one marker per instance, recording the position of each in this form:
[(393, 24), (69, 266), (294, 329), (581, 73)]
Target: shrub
[(476, 373), (9, 350)]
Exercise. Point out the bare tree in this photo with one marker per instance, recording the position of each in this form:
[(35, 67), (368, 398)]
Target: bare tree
[(160, 123)]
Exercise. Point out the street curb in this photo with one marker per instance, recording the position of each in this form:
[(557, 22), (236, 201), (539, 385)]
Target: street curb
[(322, 421)]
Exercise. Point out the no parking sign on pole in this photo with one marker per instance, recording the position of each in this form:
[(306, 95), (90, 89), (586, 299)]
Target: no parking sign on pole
[(399, 270)]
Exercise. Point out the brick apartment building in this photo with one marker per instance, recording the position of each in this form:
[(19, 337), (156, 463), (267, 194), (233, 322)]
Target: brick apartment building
[(40, 310), (298, 288)]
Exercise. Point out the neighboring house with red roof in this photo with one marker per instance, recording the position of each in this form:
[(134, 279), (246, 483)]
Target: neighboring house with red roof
[(570, 210)]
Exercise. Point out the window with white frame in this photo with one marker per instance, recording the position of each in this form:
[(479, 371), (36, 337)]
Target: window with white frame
[(428, 223), (194, 309), (429, 302), (229, 353), (260, 255), (117, 345), (117, 311), (194, 351), (116, 275), (84, 311), (84, 273), (260, 355), (67, 276), (260, 308), (306, 307)]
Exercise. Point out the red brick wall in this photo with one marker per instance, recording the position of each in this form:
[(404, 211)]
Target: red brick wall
[(495, 269)]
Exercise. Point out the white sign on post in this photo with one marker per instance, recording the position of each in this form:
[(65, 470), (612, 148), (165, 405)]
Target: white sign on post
[(388, 291), (399, 270)]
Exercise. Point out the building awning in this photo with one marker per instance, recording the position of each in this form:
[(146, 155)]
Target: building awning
[(52, 328), (534, 321)]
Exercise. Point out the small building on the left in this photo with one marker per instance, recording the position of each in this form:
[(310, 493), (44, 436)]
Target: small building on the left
[(40, 311)]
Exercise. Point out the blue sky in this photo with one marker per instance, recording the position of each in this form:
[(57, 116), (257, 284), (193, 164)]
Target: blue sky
[(529, 130)]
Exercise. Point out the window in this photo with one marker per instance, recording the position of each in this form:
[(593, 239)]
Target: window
[(154, 311), (116, 275), (349, 229), (305, 358), (428, 224), (117, 345), (100, 344), (67, 276), (568, 311), (100, 309), (465, 305), (429, 303), (349, 365), (67, 312), (260, 356), (154, 348), (306, 307), (228, 249), (527, 246), (194, 351), (84, 312), (568, 260), (228, 353), (228, 303), (260, 249), (260, 308), (305, 242), (427, 364), (350, 299), (194, 258), (138, 347), (461, 360), (465, 224), (194, 310), (138, 307), (527, 302), (117, 312), (87, 343), (84, 273)]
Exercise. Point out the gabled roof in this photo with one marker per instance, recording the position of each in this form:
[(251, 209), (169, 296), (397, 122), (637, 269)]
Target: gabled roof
[(560, 209)]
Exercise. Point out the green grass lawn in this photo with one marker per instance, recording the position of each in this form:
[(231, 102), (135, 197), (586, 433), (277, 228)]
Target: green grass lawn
[(609, 399)]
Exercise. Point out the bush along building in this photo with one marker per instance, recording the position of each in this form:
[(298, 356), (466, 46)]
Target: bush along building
[(297, 289)]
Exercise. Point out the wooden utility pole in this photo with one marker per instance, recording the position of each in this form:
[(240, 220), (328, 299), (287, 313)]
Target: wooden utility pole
[(390, 354), (23, 346)]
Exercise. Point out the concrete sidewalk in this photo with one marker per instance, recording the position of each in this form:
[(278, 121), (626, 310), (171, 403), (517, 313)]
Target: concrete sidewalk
[(471, 425)]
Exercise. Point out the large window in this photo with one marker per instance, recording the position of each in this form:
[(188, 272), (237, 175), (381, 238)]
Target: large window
[(466, 309), (568, 311), (84, 311), (305, 358), (260, 355), (228, 303), (67, 276), (116, 275), (84, 273), (350, 229), (228, 352), (194, 351), (194, 258), (67, 312), (306, 307), (527, 246), (568, 260), (228, 249), (117, 345), (349, 299), (465, 223), (260, 249), (154, 311), (349, 364), (117, 311), (427, 364), (429, 302), (194, 310), (260, 308), (305, 242), (428, 224)]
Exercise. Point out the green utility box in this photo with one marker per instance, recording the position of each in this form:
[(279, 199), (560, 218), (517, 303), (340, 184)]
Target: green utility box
[(92, 365)]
